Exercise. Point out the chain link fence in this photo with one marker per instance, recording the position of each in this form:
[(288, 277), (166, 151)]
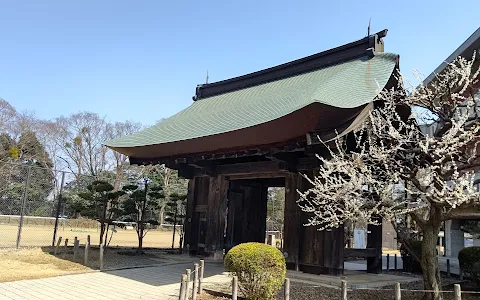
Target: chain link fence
[(39, 205), (29, 198)]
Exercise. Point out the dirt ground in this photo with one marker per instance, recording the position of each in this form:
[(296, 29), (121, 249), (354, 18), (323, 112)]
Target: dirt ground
[(299, 291), (38, 236)]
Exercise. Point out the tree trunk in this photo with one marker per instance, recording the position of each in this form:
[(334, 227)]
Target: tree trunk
[(140, 241), (174, 228), (161, 215), (429, 262), (102, 231)]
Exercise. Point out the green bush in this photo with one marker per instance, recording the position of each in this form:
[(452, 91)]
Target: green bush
[(410, 264), (260, 269), (469, 260)]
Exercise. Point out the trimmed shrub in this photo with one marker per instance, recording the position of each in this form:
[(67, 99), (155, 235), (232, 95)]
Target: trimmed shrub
[(410, 264), (469, 260), (260, 269)]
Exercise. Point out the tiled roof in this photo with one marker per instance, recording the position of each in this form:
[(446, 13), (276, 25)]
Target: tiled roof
[(346, 85)]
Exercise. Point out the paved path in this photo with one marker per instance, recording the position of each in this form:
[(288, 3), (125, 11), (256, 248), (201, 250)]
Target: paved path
[(155, 283)]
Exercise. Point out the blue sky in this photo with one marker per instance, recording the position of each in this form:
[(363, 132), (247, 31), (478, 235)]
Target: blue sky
[(141, 60)]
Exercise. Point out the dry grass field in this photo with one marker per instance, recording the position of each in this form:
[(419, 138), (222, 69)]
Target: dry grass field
[(42, 235), (33, 263)]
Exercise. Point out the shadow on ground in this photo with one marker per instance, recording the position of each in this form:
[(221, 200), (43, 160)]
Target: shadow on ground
[(154, 267)]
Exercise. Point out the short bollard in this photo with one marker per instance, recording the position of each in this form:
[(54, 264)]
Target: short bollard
[(398, 291), (87, 249), (234, 287), (458, 292), (200, 280), (344, 290), (395, 264), (388, 262), (64, 254), (448, 267), (183, 283), (55, 252), (286, 289), (188, 272), (195, 282), (75, 248)]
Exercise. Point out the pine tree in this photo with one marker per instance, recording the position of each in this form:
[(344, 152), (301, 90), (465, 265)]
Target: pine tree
[(176, 212)]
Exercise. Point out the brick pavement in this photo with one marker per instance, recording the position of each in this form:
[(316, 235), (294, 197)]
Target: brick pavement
[(153, 283)]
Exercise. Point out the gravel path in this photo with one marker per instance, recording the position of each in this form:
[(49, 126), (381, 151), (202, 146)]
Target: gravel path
[(300, 291)]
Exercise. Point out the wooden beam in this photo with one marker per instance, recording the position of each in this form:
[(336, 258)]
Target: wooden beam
[(308, 163), (356, 252), (259, 176), (251, 167)]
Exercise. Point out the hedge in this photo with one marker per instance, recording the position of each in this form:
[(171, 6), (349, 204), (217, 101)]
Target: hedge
[(469, 260), (260, 269)]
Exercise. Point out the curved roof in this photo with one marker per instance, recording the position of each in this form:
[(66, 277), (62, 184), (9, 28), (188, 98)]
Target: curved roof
[(347, 85)]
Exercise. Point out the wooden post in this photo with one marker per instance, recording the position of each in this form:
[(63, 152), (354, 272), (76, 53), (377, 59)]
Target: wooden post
[(87, 249), (75, 248), (64, 254), (195, 282), (200, 281), (55, 252), (188, 272), (234, 287), (101, 257), (286, 289), (398, 292), (395, 263), (448, 267), (374, 240), (344, 290), (458, 292), (183, 283), (388, 262)]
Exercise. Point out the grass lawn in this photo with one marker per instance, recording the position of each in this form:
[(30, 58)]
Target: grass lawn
[(42, 235), (33, 263)]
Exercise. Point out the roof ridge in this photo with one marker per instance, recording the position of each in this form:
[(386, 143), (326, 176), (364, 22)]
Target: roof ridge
[(367, 46)]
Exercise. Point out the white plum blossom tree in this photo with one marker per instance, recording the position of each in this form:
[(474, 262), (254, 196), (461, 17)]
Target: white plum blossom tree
[(358, 179)]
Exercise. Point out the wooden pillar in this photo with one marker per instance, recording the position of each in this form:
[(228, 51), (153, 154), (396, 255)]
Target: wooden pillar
[(309, 250), (374, 240), (235, 215), (293, 228), (333, 258), (188, 245), (215, 217), (254, 212), (199, 203)]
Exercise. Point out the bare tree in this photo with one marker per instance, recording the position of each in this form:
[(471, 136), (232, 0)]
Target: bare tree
[(80, 141), (120, 161), (359, 180), (8, 115)]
